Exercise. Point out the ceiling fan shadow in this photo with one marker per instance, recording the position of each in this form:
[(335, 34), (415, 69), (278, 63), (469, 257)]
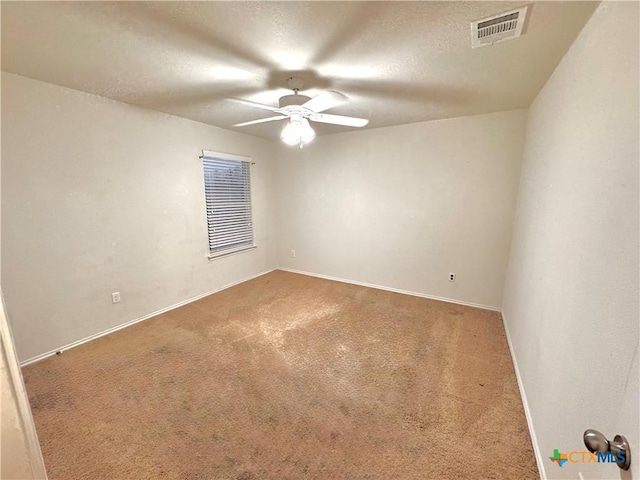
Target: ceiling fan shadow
[(409, 92), (205, 40), (361, 18), (171, 101)]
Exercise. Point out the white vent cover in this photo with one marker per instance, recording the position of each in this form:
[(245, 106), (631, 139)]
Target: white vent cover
[(498, 27)]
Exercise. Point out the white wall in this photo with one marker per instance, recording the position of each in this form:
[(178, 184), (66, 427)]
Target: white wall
[(403, 206), (571, 299), (99, 196)]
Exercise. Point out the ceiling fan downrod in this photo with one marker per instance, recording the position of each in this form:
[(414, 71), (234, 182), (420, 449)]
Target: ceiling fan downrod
[(295, 84)]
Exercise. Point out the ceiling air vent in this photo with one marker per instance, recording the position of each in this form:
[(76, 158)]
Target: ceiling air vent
[(498, 27)]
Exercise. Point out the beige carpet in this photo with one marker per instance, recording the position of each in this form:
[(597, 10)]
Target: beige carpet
[(288, 377)]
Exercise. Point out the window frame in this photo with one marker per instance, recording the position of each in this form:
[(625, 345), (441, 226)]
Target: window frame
[(250, 244)]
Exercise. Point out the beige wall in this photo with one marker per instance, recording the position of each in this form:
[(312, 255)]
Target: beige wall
[(403, 206), (571, 300), (99, 196)]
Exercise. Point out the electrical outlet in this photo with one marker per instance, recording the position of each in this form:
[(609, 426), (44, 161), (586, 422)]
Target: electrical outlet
[(452, 277), (115, 297), (292, 254)]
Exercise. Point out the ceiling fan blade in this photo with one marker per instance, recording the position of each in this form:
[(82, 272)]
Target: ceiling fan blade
[(325, 101), (255, 104), (260, 120), (338, 119)]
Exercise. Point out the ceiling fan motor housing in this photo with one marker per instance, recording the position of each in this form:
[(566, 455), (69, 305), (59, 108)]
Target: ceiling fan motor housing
[(288, 100)]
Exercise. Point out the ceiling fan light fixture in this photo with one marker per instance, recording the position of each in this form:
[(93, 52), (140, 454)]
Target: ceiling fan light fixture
[(291, 133), (297, 132), (307, 133)]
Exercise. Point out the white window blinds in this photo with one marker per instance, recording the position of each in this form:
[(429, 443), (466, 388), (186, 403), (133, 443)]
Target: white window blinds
[(227, 186)]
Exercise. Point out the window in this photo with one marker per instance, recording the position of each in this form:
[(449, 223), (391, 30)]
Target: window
[(227, 187)]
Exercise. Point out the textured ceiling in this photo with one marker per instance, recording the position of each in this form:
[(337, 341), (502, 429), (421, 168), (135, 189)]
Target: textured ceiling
[(399, 62)]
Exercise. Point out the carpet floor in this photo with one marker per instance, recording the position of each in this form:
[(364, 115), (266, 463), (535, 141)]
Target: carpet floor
[(288, 377)]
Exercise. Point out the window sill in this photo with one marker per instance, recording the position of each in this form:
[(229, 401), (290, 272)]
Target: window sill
[(226, 253)]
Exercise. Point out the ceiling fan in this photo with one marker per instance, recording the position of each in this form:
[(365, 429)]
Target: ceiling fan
[(299, 109)]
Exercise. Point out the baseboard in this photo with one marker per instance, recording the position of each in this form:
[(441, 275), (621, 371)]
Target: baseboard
[(525, 404), (198, 297), (137, 320), (391, 289)]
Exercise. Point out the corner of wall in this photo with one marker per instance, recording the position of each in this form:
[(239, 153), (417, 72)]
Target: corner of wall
[(525, 404)]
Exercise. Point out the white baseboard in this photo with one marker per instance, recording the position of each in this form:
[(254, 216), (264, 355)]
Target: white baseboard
[(137, 320), (198, 297), (391, 289), (525, 404)]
